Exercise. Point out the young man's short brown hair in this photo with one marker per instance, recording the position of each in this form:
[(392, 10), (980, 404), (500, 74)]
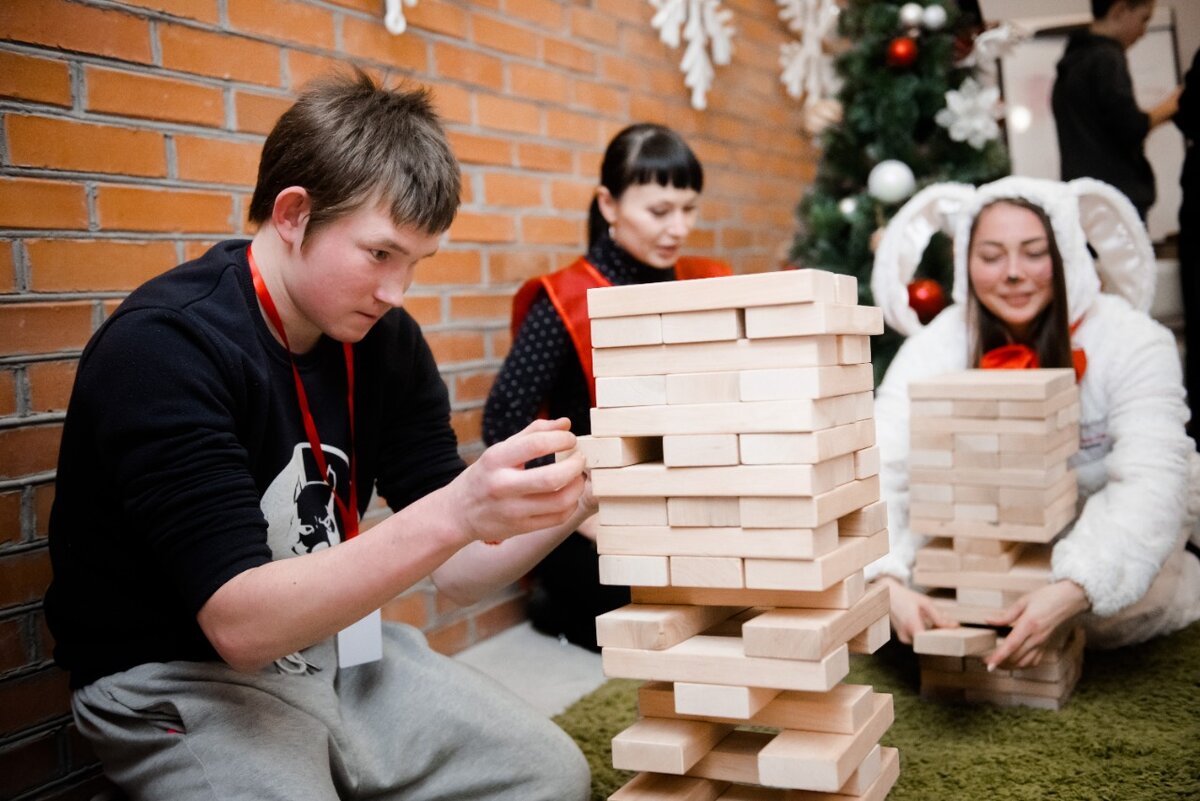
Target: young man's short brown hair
[(348, 141)]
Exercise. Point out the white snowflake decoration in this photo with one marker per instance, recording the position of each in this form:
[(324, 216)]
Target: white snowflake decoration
[(807, 70), (992, 45), (393, 18), (970, 113), (705, 26)]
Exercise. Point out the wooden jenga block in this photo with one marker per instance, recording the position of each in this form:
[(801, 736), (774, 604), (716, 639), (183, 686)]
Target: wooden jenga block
[(1000, 563), (618, 451), (872, 638), (633, 512), (977, 460), (797, 543), (1030, 572), (1057, 519), (986, 443), (844, 709), (721, 701), (981, 425), (805, 448), (1043, 408), (866, 463), (1043, 496), (976, 408), (920, 510), (657, 626), (863, 522), (953, 664), (962, 613), (936, 459), (853, 349), (938, 554), (648, 571), (866, 773), (841, 595), (994, 385), (810, 319), (930, 408), (666, 787), (693, 512), (706, 325), (739, 291), (819, 761), (878, 790), (931, 493), (787, 383), (734, 759), (1038, 443), (980, 512), (689, 388), (851, 555), (699, 357), (981, 547), (994, 599), (845, 290), (700, 450), (617, 332), (706, 571), (707, 659), (763, 512), (809, 633), (969, 493), (954, 642), (990, 682), (636, 390), (653, 479), (1010, 460), (732, 418), (665, 745)]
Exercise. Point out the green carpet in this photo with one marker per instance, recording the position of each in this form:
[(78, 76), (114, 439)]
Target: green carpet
[(1131, 732)]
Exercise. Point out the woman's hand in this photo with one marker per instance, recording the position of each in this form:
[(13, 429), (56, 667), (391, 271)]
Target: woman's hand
[(1034, 620), (913, 611)]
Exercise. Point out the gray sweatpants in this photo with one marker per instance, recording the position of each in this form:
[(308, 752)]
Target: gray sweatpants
[(415, 726)]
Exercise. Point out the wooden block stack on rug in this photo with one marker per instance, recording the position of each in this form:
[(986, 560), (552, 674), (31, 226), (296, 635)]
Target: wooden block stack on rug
[(989, 479), (732, 452)]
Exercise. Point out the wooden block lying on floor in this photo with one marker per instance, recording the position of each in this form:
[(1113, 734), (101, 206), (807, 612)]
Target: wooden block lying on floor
[(665, 745), (618, 332), (863, 522), (844, 709), (770, 417), (633, 512), (809, 633), (618, 451), (657, 479), (665, 787), (649, 571), (763, 512), (873, 637), (810, 319), (808, 447), (634, 390), (804, 382), (1035, 385), (706, 659), (990, 683), (700, 450), (706, 571), (657, 626), (841, 595), (818, 761), (721, 701), (799, 543), (851, 555), (703, 512), (954, 642), (719, 387), (878, 790), (706, 325), (737, 291), (700, 357)]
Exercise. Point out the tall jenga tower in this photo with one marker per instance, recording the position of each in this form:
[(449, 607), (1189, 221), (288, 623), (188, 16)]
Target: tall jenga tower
[(989, 480), (733, 457)]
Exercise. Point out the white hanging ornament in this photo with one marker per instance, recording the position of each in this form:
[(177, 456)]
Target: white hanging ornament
[(393, 17), (807, 70), (934, 17), (705, 26), (911, 15), (970, 114), (891, 181), (847, 206)]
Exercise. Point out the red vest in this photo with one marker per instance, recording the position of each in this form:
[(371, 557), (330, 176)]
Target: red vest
[(567, 289)]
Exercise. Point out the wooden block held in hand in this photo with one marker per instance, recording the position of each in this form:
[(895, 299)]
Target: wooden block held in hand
[(954, 642), (618, 451)]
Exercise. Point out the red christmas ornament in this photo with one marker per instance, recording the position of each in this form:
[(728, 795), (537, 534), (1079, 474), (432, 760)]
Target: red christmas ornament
[(926, 298), (902, 52)]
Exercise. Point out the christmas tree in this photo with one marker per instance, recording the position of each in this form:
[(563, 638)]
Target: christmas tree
[(915, 111)]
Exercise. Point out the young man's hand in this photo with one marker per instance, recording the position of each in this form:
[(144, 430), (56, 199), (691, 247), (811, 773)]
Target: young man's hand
[(497, 498), (1034, 619), (912, 612)]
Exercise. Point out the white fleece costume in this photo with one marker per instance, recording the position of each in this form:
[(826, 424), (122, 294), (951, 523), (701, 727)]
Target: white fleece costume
[(1138, 472)]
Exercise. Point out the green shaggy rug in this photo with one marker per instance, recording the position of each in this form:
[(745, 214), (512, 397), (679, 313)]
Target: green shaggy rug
[(1131, 732)]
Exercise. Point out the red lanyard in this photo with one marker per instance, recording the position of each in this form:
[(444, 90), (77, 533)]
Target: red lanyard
[(349, 515)]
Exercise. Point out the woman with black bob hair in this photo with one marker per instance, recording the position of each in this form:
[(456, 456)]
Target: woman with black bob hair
[(643, 210)]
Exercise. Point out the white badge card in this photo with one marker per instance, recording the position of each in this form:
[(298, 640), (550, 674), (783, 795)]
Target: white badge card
[(361, 642)]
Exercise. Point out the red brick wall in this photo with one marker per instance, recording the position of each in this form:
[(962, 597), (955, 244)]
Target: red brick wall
[(129, 135)]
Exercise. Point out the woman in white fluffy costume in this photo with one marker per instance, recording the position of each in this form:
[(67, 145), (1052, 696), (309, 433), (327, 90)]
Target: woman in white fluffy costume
[(1122, 568)]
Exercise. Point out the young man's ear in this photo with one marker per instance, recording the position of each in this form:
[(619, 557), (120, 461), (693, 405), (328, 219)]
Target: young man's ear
[(607, 203), (290, 214)]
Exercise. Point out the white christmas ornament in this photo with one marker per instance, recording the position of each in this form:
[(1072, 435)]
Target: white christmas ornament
[(393, 18), (970, 114), (847, 206), (990, 46), (911, 14), (891, 181), (701, 22), (807, 70), (934, 17)]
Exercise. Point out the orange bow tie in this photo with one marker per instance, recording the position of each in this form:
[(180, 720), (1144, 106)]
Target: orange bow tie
[(1022, 357)]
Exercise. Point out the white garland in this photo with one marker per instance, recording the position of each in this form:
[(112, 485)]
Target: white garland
[(704, 26), (393, 18)]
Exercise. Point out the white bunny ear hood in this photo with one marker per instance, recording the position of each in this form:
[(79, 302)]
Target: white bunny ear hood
[(1081, 211)]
